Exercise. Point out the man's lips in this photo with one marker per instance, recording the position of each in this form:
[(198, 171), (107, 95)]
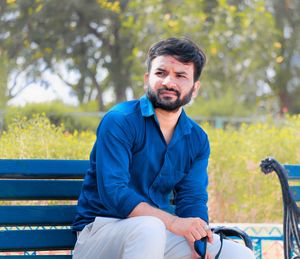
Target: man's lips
[(168, 93)]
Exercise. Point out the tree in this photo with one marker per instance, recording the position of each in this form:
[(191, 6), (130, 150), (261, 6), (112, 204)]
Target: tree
[(5, 94), (234, 37), (85, 45), (285, 82), (239, 53), (94, 45)]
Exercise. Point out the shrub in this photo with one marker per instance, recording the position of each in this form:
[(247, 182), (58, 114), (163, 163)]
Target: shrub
[(39, 138), (73, 118), (238, 191)]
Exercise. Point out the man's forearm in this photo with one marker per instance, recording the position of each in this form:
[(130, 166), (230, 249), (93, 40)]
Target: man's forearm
[(191, 228), (144, 209)]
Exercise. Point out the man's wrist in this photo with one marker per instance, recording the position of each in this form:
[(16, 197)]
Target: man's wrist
[(171, 222)]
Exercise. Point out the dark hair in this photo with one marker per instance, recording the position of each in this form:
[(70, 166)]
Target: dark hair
[(182, 49)]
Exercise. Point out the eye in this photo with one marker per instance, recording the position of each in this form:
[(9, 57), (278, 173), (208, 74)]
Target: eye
[(181, 76), (160, 73)]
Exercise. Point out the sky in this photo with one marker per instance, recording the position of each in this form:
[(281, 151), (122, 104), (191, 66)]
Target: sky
[(57, 90), (34, 93)]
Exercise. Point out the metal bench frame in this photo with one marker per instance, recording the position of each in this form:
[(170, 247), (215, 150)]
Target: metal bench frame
[(291, 211)]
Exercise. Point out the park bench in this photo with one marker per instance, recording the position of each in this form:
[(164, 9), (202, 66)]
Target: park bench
[(289, 177), (44, 225), (38, 204)]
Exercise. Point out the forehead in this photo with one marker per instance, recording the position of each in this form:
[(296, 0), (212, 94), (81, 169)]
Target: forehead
[(169, 62)]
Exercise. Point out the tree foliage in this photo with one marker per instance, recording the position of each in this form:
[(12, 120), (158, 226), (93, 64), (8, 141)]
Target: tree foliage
[(80, 41), (285, 82), (94, 45)]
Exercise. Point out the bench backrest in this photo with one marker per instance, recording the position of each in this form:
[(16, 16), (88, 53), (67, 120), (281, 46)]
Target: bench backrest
[(38, 203), (294, 180)]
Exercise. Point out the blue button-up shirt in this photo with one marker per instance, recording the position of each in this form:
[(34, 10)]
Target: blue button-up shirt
[(132, 163)]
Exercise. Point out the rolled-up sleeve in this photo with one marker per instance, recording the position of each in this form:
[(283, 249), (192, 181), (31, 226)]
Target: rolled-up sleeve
[(114, 141), (191, 192)]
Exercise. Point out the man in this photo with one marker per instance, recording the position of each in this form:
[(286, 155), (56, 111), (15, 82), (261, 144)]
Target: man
[(145, 150)]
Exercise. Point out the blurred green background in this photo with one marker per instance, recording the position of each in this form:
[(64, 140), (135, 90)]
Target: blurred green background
[(95, 46), (249, 100)]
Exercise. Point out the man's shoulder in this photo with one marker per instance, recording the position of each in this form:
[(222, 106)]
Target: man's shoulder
[(199, 140), (196, 128), (126, 108), (125, 112), (120, 118)]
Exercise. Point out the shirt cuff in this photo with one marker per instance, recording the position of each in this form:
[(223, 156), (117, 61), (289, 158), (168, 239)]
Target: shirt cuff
[(129, 203)]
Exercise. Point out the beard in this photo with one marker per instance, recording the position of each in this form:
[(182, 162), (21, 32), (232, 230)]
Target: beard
[(166, 103)]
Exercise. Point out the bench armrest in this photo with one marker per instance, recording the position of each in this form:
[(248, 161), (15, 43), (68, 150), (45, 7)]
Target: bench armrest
[(269, 165), (291, 211)]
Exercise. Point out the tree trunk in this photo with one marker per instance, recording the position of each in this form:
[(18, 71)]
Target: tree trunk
[(284, 102), (119, 77), (3, 82), (99, 94)]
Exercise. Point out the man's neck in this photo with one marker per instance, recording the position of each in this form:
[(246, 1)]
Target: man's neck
[(167, 121)]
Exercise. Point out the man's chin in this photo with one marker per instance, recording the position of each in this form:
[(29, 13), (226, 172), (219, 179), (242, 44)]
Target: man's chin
[(168, 106)]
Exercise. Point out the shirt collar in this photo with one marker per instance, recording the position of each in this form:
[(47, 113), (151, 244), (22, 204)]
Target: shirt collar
[(147, 110), (184, 123), (146, 106)]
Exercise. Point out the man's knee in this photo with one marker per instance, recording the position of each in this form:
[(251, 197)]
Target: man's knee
[(148, 227), (249, 254), (147, 237), (235, 250)]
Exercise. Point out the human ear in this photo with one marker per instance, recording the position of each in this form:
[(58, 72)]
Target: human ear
[(146, 80), (196, 89)]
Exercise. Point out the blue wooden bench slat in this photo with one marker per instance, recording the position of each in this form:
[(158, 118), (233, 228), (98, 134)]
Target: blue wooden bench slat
[(293, 171), (39, 168), (37, 215), (39, 179), (39, 189), (31, 240), (295, 190), (294, 175), (26, 179)]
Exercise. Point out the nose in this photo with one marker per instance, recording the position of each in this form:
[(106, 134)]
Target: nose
[(169, 82)]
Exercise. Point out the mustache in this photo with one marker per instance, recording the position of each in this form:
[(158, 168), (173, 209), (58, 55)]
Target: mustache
[(169, 90)]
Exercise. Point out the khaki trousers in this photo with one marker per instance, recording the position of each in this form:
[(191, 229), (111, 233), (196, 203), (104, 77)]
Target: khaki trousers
[(143, 237)]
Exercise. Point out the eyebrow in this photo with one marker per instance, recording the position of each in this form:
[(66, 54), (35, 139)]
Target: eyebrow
[(181, 73), (177, 73), (160, 69)]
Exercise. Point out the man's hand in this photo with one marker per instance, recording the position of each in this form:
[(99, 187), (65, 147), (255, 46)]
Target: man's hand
[(191, 228)]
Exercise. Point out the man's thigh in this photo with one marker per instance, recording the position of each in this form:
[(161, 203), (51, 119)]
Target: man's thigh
[(138, 237), (230, 249), (107, 237), (177, 247)]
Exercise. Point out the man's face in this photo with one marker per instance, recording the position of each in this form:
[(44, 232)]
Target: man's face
[(170, 83)]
